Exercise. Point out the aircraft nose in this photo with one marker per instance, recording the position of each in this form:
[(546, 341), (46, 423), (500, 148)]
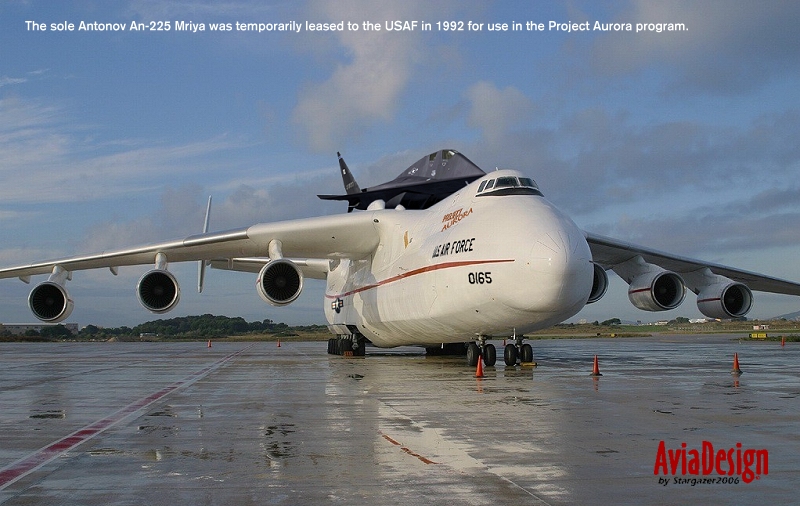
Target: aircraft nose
[(561, 265)]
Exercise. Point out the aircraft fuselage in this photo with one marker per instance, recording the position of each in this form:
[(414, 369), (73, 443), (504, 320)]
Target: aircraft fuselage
[(475, 264)]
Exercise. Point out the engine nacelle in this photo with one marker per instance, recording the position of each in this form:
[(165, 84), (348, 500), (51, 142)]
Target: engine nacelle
[(599, 284), (279, 282), (725, 300), (657, 291), (158, 291), (50, 302)]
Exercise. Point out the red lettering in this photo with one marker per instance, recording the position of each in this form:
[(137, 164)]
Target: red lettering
[(739, 459), (694, 462), (748, 464), (661, 458), (720, 459), (708, 458), (730, 462), (747, 473), (683, 458), (765, 460), (674, 460)]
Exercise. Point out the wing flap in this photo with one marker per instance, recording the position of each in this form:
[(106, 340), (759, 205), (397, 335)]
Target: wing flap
[(314, 268)]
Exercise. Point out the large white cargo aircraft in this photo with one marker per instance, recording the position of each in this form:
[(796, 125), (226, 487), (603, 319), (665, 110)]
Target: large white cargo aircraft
[(443, 254)]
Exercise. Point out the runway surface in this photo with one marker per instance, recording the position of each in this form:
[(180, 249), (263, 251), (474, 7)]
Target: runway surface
[(241, 423)]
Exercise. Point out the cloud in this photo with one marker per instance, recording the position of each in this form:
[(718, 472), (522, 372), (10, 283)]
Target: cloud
[(46, 158), (713, 55), (593, 158), (367, 88), (496, 111), (182, 208), (752, 225), (6, 81), (652, 183)]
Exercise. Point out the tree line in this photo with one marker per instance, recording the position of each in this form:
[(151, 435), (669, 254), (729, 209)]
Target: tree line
[(202, 326)]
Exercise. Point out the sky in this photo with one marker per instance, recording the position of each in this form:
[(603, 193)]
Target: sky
[(681, 140)]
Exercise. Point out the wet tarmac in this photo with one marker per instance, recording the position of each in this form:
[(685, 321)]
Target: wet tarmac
[(241, 423)]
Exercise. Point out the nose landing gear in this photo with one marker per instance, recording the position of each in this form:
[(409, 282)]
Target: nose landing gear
[(481, 350)]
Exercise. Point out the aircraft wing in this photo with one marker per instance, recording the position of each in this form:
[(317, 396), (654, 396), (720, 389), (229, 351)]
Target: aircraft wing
[(313, 268), (325, 237), (608, 253)]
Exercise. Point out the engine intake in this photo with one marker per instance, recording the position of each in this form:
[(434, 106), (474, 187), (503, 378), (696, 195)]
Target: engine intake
[(279, 282), (158, 291), (657, 291), (50, 302), (599, 284), (725, 300)]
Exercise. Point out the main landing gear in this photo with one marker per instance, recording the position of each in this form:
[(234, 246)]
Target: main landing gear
[(349, 346), (517, 351), (512, 353)]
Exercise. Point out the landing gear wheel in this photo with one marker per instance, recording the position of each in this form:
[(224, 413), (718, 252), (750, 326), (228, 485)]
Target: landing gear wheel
[(489, 355), (359, 348), (510, 354), (526, 354), (473, 354)]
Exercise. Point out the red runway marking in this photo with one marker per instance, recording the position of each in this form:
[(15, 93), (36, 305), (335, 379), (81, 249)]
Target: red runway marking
[(391, 440), (26, 465), (408, 450)]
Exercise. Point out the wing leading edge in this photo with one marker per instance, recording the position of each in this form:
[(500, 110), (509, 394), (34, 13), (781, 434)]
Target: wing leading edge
[(609, 253), (326, 237)]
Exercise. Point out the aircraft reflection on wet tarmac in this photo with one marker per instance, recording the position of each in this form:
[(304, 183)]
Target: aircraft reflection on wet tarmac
[(157, 423)]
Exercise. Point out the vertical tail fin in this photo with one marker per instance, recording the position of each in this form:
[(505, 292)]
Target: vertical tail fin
[(350, 185)]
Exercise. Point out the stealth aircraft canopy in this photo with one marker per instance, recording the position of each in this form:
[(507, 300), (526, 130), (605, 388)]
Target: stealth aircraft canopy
[(429, 180)]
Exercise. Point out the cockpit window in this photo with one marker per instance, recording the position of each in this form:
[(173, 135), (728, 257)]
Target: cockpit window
[(509, 185), (506, 182)]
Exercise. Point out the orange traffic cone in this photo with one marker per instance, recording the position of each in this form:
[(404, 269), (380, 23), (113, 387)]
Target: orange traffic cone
[(279, 342), (736, 369), (596, 367), (209, 343), (479, 370), (783, 341)]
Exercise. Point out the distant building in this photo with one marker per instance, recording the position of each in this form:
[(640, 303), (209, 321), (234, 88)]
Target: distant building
[(18, 329)]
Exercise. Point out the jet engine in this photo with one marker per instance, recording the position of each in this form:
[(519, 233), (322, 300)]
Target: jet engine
[(158, 291), (725, 300), (279, 282), (599, 284), (657, 290), (50, 302)]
